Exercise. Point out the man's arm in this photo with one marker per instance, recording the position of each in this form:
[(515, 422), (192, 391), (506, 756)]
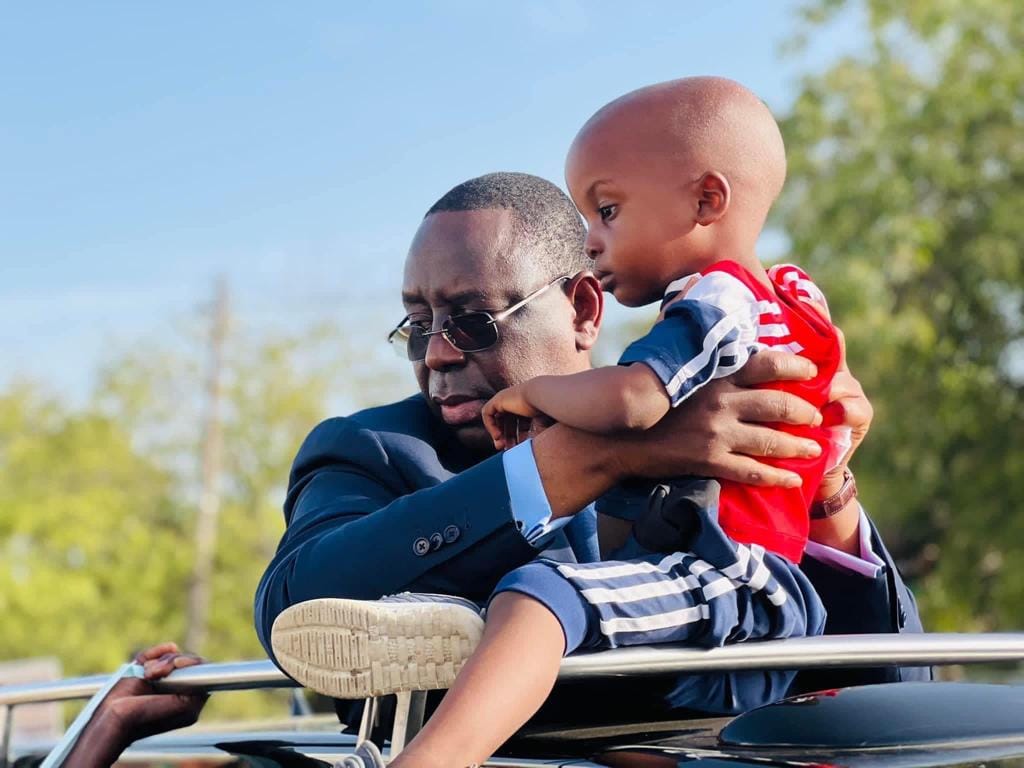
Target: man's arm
[(356, 528), (716, 433)]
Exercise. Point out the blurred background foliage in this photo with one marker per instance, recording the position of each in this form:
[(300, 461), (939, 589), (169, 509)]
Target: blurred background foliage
[(905, 200)]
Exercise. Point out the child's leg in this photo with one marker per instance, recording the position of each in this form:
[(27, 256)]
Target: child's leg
[(500, 687)]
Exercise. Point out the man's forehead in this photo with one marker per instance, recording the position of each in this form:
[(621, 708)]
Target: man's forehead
[(465, 257)]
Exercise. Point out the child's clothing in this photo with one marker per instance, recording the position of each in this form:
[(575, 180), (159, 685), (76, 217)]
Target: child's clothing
[(726, 594), (728, 571), (710, 333)]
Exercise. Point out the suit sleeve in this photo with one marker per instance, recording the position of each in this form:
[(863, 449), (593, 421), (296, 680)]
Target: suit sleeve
[(357, 529), (859, 604)]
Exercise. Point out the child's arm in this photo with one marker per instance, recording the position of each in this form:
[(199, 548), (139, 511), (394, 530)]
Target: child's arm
[(601, 400)]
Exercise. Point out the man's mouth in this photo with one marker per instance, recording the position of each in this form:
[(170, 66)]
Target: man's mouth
[(458, 410)]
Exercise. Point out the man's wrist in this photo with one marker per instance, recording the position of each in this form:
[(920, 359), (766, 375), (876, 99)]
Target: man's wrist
[(576, 467), (831, 483), (839, 530)]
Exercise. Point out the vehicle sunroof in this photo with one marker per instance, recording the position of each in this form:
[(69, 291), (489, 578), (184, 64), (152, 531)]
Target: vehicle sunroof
[(896, 714)]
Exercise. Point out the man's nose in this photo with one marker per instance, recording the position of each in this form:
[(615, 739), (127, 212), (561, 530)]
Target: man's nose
[(441, 354)]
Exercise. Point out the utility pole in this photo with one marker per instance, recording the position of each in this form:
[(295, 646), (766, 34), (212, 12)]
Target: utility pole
[(209, 494)]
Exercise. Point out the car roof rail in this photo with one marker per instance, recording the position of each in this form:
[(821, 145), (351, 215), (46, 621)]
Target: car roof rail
[(846, 651)]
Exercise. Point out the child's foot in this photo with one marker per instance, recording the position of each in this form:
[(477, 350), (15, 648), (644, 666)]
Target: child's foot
[(366, 756), (352, 649)]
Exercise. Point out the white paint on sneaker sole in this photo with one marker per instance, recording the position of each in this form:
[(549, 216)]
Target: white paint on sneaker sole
[(352, 649)]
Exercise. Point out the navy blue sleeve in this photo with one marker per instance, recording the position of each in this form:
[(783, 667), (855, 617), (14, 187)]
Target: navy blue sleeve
[(695, 342), (860, 605), (356, 529)]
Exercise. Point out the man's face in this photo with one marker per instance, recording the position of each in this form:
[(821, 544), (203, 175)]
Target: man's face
[(466, 260)]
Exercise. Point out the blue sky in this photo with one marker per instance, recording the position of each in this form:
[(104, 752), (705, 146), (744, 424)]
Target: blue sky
[(147, 147)]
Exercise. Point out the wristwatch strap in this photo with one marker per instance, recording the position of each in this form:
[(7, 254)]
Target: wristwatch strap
[(837, 501)]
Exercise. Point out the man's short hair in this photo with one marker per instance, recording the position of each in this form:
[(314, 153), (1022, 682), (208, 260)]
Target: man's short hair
[(547, 227)]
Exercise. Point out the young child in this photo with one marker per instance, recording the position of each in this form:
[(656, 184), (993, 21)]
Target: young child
[(675, 182), (674, 208)]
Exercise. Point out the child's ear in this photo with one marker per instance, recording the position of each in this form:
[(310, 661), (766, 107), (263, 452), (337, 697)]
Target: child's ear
[(713, 196)]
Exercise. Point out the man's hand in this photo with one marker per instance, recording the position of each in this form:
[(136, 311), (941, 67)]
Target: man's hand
[(719, 433), (848, 406), (504, 410)]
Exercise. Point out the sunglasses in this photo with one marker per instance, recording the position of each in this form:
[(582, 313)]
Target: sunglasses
[(467, 332)]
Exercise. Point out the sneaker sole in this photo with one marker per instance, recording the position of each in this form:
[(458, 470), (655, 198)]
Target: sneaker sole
[(353, 649)]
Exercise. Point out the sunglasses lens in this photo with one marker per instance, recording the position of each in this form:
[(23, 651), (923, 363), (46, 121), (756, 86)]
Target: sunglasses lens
[(416, 343), (472, 332)]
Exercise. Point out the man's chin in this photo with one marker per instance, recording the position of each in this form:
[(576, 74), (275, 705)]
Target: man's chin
[(474, 437)]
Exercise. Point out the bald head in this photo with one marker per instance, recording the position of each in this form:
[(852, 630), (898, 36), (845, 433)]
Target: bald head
[(697, 125)]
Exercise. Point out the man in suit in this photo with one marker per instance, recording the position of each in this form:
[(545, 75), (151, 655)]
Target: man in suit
[(411, 496)]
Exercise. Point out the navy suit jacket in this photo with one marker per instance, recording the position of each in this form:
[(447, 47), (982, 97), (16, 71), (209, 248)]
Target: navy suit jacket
[(386, 501)]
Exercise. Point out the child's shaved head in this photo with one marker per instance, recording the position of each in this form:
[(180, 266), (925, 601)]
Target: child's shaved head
[(700, 124), (693, 152)]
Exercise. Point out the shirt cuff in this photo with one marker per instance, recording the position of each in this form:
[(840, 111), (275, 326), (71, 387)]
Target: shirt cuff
[(869, 564), (530, 507)]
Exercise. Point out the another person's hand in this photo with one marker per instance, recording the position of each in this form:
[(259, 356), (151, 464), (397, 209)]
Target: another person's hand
[(135, 703), (504, 409), (133, 709), (719, 432)]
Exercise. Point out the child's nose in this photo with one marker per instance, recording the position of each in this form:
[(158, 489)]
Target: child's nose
[(592, 244)]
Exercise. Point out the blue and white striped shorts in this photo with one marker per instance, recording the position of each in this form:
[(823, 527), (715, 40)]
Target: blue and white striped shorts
[(722, 592)]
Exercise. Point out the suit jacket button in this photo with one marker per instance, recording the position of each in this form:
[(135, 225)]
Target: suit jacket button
[(421, 546), (452, 533), (436, 540)]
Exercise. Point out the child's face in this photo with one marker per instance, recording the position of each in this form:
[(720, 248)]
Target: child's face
[(640, 217)]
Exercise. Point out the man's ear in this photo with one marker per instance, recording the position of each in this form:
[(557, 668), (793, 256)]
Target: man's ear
[(585, 295), (713, 197)]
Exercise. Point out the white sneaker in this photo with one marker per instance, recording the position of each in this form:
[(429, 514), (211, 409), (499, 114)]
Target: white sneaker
[(353, 649)]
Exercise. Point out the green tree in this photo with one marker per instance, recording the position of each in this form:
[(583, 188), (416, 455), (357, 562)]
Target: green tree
[(904, 199), (90, 534), (97, 504)]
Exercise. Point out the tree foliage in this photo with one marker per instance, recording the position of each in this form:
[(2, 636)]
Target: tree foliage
[(97, 504), (905, 199)]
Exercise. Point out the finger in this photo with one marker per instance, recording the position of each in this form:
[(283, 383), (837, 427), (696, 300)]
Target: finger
[(854, 412), (155, 651), (155, 669), (743, 469), (842, 349), (774, 365), (183, 660), (493, 419), (843, 385), (774, 444), (770, 405)]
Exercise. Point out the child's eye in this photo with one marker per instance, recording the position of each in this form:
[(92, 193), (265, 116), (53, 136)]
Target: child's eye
[(607, 212)]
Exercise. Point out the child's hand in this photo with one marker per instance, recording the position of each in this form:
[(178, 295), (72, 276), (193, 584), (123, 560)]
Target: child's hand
[(510, 403)]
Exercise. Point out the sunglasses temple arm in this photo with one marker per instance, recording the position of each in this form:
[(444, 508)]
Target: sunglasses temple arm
[(527, 299)]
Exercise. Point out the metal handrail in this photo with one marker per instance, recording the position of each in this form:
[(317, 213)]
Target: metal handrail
[(936, 649)]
